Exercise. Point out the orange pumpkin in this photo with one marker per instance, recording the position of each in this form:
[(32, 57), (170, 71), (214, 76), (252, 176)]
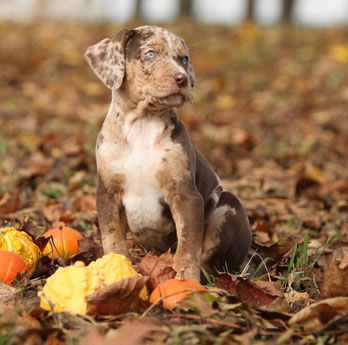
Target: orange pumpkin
[(11, 264), (174, 290), (64, 240)]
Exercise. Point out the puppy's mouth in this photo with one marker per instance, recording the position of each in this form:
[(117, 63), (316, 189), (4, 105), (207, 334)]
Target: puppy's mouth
[(175, 99)]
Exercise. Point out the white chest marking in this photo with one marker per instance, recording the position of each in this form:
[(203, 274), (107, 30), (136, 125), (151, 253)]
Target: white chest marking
[(139, 163)]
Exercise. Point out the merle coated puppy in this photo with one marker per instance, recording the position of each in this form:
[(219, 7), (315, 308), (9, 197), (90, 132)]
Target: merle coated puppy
[(151, 179)]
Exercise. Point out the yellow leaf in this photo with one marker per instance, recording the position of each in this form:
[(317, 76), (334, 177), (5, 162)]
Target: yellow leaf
[(339, 53), (225, 101)]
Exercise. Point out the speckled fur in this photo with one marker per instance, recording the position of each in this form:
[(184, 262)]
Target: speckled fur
[(151, 180)]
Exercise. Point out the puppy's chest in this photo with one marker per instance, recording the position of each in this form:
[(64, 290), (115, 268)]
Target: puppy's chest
[(138, 162), (141, 157)]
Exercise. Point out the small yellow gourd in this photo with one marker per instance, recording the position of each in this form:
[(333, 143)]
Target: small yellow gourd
[(116, 267), (66, 289), (20, 243)]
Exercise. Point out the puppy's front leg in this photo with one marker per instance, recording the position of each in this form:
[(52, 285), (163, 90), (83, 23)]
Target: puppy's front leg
[(112, 221), (186, 206)]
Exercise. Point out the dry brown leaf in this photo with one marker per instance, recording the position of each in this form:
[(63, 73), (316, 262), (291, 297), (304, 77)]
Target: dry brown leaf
[(334, 281), (37, 165), (52, 212), (198, 302), (130, 333), (95, 337), (88, 251), (344, 262), (336, 187), (9, 203), (255, 293), (116, 298), (159, 269), (85, 203), (75, 181), (7, 297), (317, 314), (276, 250), (264, 225), (294, 296)]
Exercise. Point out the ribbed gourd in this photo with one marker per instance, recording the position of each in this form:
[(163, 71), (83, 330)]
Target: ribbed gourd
[(20, 243), (116, 267), (66, 289)]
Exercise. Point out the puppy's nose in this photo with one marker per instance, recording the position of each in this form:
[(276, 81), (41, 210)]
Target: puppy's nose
[(181, 79)]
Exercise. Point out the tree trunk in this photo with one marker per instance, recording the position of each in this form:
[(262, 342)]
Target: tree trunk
[(287, 10), (185, 8), (138, 15), (250, 11)]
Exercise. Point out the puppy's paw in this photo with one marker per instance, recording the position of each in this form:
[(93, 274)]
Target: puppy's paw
[(188, 272)]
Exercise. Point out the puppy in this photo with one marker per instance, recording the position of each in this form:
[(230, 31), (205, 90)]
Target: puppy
[(151, 180)]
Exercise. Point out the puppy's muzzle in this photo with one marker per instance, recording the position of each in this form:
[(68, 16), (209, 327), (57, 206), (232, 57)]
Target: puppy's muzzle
[(181, 79)]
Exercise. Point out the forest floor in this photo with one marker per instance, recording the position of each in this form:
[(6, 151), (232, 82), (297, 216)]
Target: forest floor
[(270, 115)]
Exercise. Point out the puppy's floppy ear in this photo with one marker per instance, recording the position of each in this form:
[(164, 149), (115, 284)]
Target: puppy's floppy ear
[(107, 58)]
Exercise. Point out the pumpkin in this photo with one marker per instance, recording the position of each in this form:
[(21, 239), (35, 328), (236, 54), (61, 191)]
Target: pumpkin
[(20, 243), (66, 289), (65, 242), (174, 290), (11, 264)]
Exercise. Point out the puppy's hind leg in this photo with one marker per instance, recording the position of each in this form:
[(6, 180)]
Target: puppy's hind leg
[(227, 236)]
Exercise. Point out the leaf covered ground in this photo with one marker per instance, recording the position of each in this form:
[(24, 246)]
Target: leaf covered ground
[(270, 114)]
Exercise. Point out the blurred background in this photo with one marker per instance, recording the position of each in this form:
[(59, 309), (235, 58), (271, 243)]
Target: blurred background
[(229, 12), (270, 110)]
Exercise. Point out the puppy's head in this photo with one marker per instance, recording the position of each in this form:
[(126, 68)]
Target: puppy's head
[(147, 63)]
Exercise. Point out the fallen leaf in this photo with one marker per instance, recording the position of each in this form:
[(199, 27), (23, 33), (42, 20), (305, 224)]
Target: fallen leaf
[(255, 293), (199, 302), (276, 250), (52, 212), (324, 312), (45, 267), (37, 165), (7, 297), (339, 53), (67, 216), (338, 187), (9, 202), (29, 227), (158, 269), (294, 296), (317, 314), (344, 262), (116, 298), (85, 203), (88, 251), (264, 225), (75, 181), (130, 333), (334, 281), (95, 337)]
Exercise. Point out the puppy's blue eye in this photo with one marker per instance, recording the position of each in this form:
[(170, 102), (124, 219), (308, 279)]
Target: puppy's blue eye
[(185, 60), (150, 54)]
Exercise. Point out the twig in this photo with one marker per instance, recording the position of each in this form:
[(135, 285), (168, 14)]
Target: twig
[(207, 319)]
